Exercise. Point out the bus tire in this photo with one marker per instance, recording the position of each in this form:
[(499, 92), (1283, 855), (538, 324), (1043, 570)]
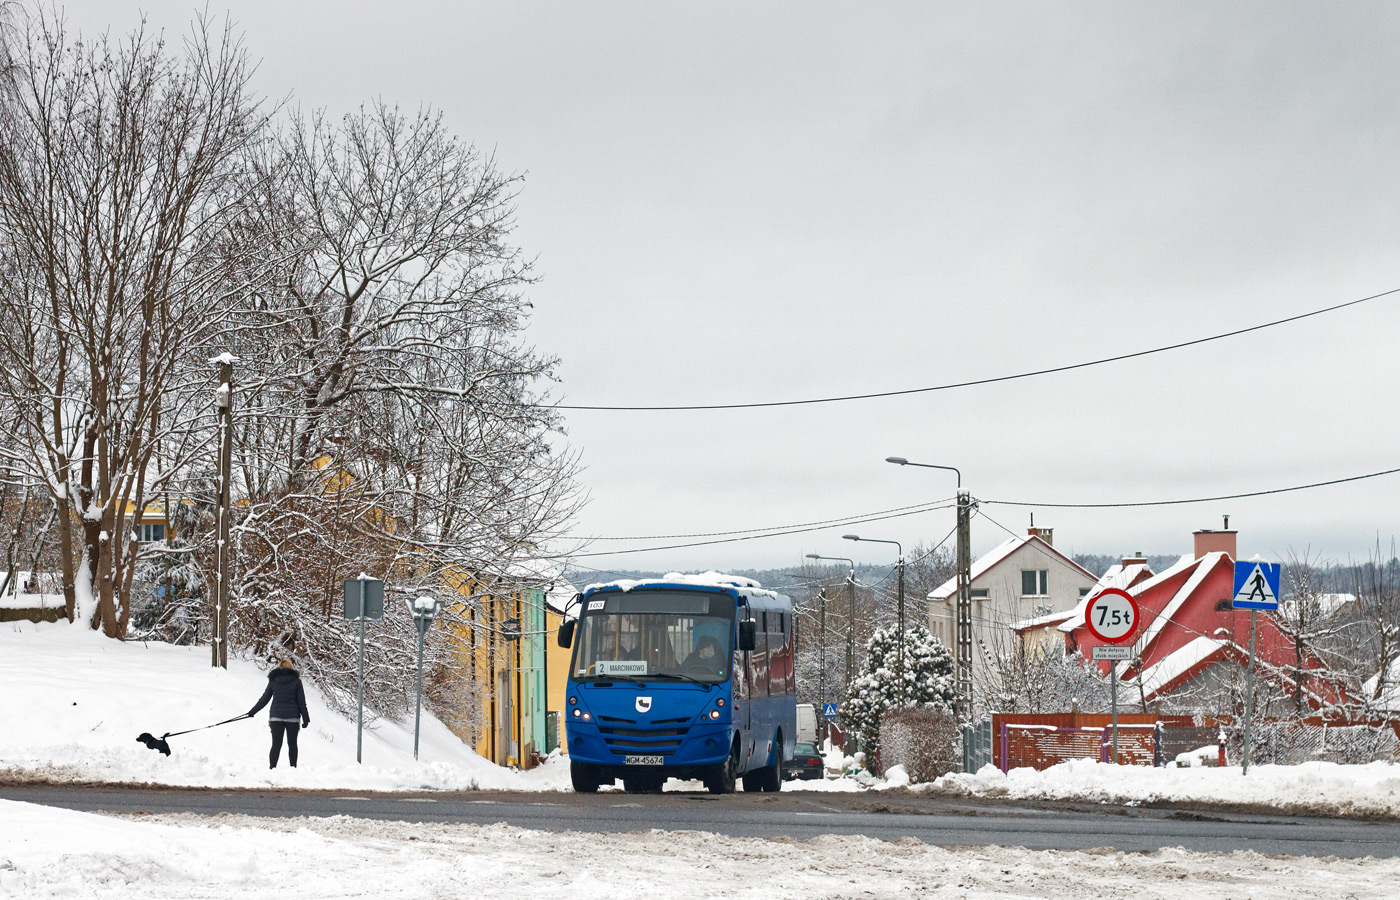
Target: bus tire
[(584, 778), (724, 777)]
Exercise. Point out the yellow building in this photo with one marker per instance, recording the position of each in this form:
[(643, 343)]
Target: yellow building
[(511, 699)]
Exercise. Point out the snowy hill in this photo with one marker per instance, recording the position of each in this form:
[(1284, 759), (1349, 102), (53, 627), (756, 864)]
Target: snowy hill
[(73, 703)]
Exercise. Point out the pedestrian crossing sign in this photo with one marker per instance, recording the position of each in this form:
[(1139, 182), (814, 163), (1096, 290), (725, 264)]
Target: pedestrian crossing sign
[(1256, 585), (829, 710)]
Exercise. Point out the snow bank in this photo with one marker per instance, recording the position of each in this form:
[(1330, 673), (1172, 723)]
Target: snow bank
[(54, 853), (73, 703), (1314, 787)]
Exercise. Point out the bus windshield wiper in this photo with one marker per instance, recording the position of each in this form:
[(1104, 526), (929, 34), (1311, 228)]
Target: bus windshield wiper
[(690, 678)]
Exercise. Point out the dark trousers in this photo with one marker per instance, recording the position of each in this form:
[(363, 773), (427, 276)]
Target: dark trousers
[(291, 729)]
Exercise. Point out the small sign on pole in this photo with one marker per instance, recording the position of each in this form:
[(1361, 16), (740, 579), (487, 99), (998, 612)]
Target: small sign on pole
[(1256, 585), (829, 709), (1256, 588), (364, 599), (1112, 617)]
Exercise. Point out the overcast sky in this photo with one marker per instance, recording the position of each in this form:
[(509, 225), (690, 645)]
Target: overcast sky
[(754, 202)]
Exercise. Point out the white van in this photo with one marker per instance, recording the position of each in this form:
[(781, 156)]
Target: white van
[(806, 723)]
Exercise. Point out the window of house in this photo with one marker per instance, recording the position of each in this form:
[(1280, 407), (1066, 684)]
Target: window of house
[(1084, 592), (1035, 582), (981, 593), (151, 532)]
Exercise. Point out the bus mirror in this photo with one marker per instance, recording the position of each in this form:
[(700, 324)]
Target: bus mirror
[(747, 635), (566, 633)]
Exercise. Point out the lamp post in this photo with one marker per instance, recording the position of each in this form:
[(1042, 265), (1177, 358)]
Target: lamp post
[(223, 401), (963, 640), (423, 610), (899, 647)]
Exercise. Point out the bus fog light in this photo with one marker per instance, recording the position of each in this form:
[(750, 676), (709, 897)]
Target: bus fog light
[(586, 717)]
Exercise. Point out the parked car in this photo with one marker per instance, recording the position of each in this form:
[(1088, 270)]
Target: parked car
[(807, 764)]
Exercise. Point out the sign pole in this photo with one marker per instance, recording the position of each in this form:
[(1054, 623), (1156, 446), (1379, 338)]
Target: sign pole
[(360, 695), (1113, 694), (1249, 692)]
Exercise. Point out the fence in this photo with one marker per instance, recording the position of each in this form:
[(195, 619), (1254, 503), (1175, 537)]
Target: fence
[(1041, 741)]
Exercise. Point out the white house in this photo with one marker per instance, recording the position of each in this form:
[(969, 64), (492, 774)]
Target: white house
[(1022, 578)]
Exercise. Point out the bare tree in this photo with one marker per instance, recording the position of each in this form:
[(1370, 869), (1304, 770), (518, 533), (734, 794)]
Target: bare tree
[(392, 419), (117, 172), (1309, 622)]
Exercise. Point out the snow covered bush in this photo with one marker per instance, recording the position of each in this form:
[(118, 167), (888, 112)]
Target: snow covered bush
[(923, 739), (925, 678)]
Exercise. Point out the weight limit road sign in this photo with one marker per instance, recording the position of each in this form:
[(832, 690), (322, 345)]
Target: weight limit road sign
[(1256, 585), (1112, 616)]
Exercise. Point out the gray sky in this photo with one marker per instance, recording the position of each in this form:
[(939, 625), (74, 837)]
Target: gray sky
[(740, 202)]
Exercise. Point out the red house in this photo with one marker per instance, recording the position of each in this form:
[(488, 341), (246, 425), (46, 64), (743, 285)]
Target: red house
[(1187, 629)]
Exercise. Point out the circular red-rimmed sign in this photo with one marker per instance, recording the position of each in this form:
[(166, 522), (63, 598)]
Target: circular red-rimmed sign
[(1112, 616)]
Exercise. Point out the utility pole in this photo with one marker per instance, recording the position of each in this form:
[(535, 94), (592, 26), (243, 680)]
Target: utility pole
[(821, 678), (964, 606), (851, 629), (903, 682), (223, 398)]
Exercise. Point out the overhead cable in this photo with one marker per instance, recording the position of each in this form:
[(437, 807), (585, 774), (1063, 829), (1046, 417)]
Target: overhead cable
[(1285, 490), (980, 381)]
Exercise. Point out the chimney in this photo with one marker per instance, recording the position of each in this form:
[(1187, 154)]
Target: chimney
[(1210, 541), (1045, 534), (1137, 559)]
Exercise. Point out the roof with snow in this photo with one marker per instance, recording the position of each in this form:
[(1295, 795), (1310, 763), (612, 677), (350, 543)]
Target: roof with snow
[(989, 560)]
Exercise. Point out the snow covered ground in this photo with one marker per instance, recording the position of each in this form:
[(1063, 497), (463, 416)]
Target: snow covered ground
[(1319, 788), (73, 703), (54, 853)]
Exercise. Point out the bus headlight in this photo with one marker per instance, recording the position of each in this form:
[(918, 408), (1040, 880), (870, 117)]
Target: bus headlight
[(714, 714), (719, 702)]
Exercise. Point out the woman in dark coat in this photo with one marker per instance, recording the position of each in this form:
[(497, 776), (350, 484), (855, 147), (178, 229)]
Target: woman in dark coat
[(288, 705)]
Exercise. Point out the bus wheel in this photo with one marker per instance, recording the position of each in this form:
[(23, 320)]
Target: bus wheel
[(584, 777), (725, 775)]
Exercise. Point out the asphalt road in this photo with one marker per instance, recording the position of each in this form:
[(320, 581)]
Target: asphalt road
[(793, 813)]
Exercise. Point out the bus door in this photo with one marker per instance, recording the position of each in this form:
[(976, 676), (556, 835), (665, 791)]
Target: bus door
[(743, 693)]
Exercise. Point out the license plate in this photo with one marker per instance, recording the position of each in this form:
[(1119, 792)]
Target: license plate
[(644, 761)]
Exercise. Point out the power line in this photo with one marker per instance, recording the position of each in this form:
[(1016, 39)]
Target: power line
[(754, 537), (993, 380), (844, 519), (1286, 490)]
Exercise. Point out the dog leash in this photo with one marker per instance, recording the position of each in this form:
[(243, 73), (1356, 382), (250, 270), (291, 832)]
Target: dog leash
[(202, 727)]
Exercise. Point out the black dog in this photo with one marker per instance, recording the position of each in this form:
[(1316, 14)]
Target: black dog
[(153, 742)]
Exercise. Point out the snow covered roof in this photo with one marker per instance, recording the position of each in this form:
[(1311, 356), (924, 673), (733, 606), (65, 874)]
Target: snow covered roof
[(998, 553), (702, 579), (1044, 621), (1171, 668), (1390, 697), (1077, 620)]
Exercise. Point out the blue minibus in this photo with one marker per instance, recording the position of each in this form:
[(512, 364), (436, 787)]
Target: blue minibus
[(681, 677)]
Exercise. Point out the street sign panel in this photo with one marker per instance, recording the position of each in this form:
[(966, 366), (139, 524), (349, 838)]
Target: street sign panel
[(1112, 616), (373, 594), (1256, 585), (1113, 652), (829, 710)]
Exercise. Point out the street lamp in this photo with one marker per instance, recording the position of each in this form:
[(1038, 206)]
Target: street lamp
[(851, 614), (963, 650), (899, 647), (423, 610)]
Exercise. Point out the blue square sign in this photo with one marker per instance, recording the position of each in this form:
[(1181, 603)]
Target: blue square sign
[(1256, 585), (829, 710)]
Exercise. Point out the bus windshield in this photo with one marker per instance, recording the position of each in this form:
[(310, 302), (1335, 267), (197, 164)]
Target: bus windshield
[(655, 635)]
